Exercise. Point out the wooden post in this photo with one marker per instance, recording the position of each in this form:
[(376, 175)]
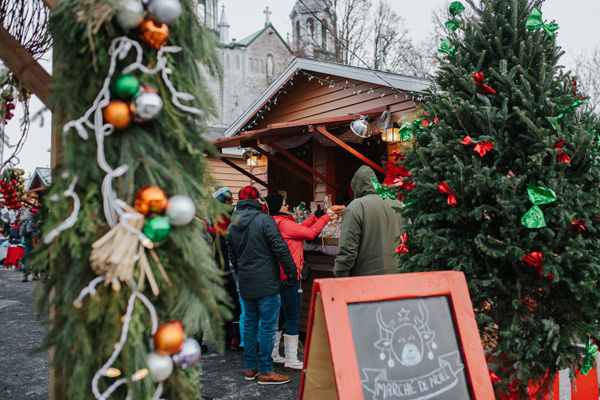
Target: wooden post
[(24, 66)]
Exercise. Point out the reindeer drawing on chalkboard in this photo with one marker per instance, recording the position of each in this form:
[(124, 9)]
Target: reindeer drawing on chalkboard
[(405, 342)]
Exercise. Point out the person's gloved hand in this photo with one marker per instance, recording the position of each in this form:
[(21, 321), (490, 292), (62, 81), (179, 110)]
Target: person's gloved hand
[(291, 279), (319, 213)]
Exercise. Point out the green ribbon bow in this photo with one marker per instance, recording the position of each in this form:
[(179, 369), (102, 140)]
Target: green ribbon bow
[(588, 361), (381, 190), (556, 121), (535, 22), (455, 8), (406, 132), (534, 218), (417, 125), (447, 48)]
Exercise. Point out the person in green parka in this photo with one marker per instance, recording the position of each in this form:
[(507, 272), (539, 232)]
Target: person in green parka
[(370, 228)]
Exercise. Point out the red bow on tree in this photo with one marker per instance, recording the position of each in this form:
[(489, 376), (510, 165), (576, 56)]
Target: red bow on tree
[(535, 259), (408, 185), (484, 89), (427, 122), (398, 156), (578, 226), (558, 145), (563, 157), (444, 188), (401, 249), (480, 148)]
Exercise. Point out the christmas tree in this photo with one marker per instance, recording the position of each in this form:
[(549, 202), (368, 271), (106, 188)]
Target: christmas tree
[(130, 288), (507, 177)]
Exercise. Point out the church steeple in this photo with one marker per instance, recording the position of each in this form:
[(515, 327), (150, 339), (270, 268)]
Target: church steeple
[(223, 28), (310, 38)]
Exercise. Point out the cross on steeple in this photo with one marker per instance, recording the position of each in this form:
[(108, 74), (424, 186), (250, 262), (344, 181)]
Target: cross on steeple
[(267, 13)]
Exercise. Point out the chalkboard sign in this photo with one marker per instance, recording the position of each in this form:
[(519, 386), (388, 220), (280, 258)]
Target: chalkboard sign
[(408, 349), (388, 337)]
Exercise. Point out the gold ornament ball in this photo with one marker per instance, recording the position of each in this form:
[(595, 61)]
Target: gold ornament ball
[(117, 113), (169, 338), (150, 199)]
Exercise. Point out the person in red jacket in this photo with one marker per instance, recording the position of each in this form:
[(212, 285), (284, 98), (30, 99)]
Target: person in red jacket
[(291, 298)]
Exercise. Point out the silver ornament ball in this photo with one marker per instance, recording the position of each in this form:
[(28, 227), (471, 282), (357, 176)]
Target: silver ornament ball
[(160, 367), (180, 210), (146, 105), (165, 11), (131, 14), (189, 355)]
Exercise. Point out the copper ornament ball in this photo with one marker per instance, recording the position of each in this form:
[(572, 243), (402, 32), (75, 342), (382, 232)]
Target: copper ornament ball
[(117, 113), (169, 338), (150, 199)]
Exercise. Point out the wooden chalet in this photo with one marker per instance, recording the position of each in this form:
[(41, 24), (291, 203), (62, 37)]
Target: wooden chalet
[(298, 131)]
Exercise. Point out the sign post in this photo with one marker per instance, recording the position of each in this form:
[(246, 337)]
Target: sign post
[(404, 336)]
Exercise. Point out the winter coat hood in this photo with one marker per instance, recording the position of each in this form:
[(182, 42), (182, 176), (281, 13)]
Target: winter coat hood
[(245, 212), (361, 182)]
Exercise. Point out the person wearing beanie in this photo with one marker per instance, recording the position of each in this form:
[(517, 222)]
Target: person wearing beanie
[(217, 232), (256, 249), (223, 195), (294, 235)]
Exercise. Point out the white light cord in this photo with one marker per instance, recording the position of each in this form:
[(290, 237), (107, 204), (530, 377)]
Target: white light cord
[(70, 221), (124, 330)]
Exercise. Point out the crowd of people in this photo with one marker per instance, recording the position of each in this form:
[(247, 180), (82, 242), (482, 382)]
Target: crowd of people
[(18, 239), (260, 246)]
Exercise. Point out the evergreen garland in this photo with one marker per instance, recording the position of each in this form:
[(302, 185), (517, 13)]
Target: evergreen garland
[(167, 152), (530, 323)]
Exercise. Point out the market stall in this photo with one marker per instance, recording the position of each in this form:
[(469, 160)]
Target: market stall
[(309, 133)]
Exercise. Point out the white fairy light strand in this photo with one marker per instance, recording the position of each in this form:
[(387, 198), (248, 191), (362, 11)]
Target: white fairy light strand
[(114, 208), (90, 289), (414, 95), (72, 219), (119, 49)]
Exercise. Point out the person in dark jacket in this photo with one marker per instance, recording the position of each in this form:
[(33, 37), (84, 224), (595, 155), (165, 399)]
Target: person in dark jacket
[(256, 249)]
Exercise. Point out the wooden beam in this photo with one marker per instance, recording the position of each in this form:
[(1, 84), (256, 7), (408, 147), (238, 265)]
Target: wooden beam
[(349, 149), (282, 164), (303, 165), (24, 66), (243, 171)]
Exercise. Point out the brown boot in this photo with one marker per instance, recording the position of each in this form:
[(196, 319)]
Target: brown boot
[(273, 378), (251, 374)]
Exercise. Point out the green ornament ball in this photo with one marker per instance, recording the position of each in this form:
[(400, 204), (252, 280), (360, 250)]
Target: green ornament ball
[(125, 86), (157, 229)]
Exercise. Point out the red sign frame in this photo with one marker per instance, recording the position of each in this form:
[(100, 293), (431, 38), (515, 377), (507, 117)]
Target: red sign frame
[(330, 365)]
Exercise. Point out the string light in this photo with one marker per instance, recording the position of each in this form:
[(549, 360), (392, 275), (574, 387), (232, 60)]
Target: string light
[(331, 84)]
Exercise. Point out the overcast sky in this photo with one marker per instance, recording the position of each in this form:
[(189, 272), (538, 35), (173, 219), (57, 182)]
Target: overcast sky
[(578, 20)]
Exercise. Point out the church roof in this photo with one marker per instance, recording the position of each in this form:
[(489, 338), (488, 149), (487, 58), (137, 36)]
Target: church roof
[(402, 82), (247, 41)]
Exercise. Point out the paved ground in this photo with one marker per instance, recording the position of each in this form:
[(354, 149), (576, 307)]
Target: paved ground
[(25, 377)]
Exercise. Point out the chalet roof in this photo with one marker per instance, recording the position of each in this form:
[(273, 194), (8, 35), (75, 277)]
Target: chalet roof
[(42, 177), (402, 82)]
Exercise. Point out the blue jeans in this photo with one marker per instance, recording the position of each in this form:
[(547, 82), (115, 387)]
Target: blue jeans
[(291, 303), (242, 316), (265, 310), (26, 257)]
